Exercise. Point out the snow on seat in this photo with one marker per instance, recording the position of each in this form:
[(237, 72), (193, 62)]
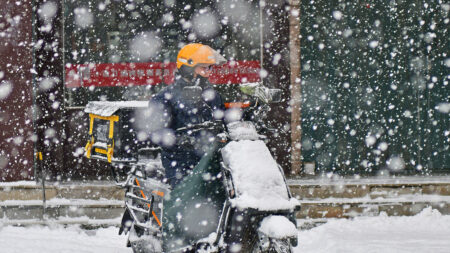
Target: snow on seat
[(108, 108), (258, 182)]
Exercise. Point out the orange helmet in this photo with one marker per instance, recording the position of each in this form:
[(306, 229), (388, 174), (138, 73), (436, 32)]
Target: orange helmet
[(196, 53)]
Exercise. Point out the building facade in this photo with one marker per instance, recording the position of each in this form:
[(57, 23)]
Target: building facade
[(373, 82)]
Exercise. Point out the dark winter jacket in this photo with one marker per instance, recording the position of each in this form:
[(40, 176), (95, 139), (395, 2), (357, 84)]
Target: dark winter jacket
[(183, 108)]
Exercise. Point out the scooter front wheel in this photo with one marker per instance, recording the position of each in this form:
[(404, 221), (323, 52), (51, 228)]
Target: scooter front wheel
[(143, 243), (273, 246)]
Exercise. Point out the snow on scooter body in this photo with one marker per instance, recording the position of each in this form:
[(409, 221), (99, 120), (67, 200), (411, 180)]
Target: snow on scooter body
[(234, 200), (258, 180)]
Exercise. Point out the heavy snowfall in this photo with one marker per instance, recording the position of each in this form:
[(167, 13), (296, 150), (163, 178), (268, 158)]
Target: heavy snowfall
[(364, 104)]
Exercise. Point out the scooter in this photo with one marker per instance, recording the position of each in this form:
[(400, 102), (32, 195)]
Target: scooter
[(235, 200)]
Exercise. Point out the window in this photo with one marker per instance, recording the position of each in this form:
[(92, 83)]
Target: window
[(126, 50)]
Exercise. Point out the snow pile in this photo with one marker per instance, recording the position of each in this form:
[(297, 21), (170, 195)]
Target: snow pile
[(258, 182), (108, 108), (426, 232), (276, 226)]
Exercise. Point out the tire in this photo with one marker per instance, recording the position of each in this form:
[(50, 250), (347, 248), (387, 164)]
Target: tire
[(142, 243), (244, 237), (280, 246), (275, 246)]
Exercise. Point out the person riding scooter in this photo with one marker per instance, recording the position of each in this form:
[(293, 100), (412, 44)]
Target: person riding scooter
[(191, 100), (224, 192)]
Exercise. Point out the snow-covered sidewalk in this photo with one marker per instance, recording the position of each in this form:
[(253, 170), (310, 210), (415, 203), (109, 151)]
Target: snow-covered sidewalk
[(58, 239), (428, 231)]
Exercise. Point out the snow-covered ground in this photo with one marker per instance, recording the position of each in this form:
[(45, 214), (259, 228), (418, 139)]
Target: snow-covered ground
[(428, 231), (37, 239)]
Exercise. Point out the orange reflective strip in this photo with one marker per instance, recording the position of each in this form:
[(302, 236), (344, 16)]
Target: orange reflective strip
[(153, 212), (142, 192), (161, 194), (237, 105), (156, 218)]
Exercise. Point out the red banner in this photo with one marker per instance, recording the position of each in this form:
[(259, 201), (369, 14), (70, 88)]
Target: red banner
[(133, 74)]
